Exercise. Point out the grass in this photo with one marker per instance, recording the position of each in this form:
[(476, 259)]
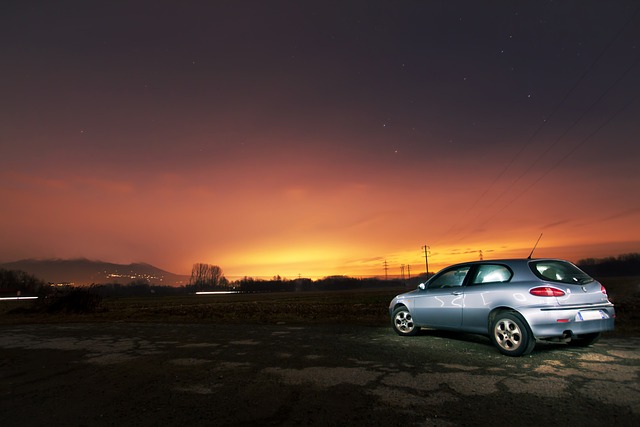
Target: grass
[(368, 307), (624, 292), (361, 306)]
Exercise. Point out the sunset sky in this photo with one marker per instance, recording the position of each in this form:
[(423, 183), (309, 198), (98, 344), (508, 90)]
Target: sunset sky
[(313, 138)]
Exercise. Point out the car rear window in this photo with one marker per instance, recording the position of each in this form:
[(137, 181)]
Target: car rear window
[(559, 271)]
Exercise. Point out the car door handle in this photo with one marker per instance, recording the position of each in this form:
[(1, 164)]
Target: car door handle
[(456, 293)]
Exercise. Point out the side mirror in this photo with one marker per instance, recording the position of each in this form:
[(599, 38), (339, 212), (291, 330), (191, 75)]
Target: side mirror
[(422, 287)]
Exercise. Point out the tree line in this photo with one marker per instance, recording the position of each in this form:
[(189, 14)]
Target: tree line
[(208, 277), (622, 265), (330, 283), (204, 277), (16, 281)]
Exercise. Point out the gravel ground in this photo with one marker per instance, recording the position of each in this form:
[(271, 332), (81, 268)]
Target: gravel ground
[(108, 374)]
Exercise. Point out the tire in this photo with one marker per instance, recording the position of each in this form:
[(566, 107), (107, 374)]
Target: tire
[(402, 322), (511, 334), (585, 340)]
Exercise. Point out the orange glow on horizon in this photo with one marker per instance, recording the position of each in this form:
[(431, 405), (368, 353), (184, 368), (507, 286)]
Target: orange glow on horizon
[(319, 148), (309, 230), (318, 264)]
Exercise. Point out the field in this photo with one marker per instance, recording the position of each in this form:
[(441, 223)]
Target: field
[(362, 306), (366, 307)]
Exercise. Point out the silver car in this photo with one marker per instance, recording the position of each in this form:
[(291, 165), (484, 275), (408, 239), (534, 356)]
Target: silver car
[(515, 302)]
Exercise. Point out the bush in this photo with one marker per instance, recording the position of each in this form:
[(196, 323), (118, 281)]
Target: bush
[(76, 300)]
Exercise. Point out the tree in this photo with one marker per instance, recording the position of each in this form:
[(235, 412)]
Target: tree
[(207, 276), (17, 280)]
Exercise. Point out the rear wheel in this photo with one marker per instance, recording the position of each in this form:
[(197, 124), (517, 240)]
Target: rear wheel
[(402, 322), (511, 334), (585, 340)]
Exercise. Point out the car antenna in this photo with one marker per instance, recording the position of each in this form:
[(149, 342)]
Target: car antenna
[(534, 246)]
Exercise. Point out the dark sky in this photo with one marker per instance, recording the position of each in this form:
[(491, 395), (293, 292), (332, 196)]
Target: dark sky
[(318, 138)]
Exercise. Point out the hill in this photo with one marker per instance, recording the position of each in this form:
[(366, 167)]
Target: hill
[(86, 272)]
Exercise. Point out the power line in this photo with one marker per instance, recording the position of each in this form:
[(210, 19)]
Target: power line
[(574, 124), (563, 158), (554, 111)]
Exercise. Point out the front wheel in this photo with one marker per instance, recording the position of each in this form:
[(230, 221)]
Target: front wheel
[(402, 322), (511, 334)]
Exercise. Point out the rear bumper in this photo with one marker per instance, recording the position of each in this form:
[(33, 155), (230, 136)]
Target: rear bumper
[(550, 323)]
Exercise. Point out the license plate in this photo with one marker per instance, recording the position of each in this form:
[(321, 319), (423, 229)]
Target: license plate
[(591, 315)]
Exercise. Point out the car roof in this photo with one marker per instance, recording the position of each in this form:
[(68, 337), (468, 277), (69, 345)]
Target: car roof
[(505, 261)]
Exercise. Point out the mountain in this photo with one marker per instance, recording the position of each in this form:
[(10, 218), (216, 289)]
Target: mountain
[(86, 272)]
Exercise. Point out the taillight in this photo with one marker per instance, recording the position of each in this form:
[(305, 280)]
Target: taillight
[(547, 291), (604, 291)]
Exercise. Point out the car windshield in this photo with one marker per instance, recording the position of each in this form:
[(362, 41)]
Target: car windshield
[(559, 271)]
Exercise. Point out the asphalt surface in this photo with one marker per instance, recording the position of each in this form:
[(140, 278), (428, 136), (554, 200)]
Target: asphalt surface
[(202, 374)]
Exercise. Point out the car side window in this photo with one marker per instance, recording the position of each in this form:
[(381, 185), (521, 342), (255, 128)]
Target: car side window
[(491, 273), (450, 279)]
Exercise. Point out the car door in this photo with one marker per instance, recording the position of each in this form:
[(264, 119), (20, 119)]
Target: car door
[(440, 303), (485, 287)]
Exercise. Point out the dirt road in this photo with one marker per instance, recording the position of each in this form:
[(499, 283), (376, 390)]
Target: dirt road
[(201, 374)]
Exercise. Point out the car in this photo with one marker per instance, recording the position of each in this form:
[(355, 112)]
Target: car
[(514, 302)]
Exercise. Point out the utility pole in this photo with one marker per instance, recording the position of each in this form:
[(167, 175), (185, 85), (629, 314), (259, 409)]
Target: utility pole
[(408, 271), (386, 268), (426, 258), (402, 271), (481, 257)]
